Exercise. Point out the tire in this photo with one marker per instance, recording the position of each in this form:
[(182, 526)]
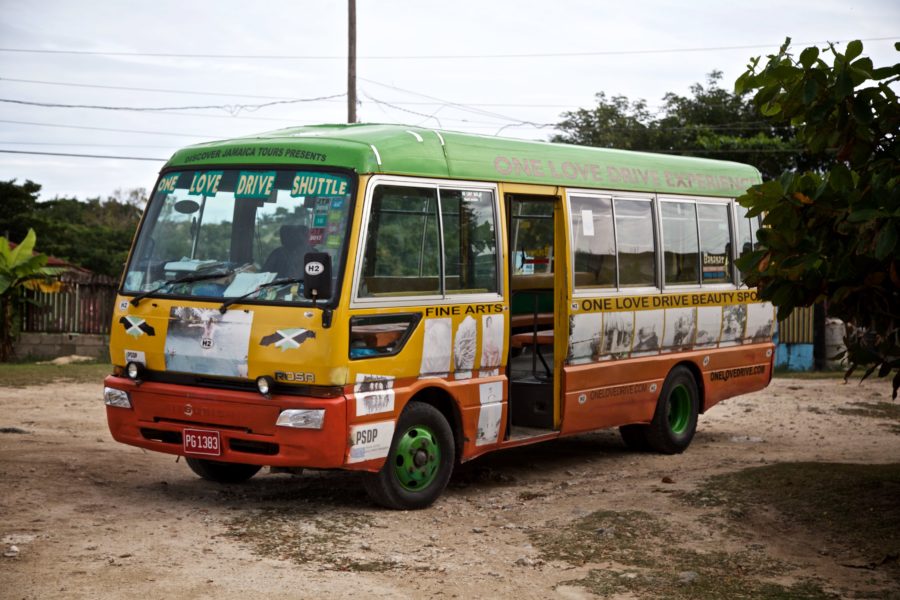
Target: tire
[(675, 420), (419, 463), (635, 437), (222, 472)]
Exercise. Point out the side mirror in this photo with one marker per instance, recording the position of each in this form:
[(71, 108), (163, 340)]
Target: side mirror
[(317, 275)]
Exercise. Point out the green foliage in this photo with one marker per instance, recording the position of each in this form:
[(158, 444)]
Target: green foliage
[(833, 233), (92, 234), (711, 122), (19, 268)]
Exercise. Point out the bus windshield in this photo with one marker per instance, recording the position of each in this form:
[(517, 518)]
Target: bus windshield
[(224, 233)]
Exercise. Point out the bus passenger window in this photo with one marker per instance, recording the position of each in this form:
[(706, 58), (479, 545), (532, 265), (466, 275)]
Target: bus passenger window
[(746, 234), (635, 243), (593, 242), (470, 241), (714, 237), (679, 233), (402, 257)]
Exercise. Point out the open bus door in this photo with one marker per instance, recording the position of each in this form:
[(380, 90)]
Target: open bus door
[(538, 314)]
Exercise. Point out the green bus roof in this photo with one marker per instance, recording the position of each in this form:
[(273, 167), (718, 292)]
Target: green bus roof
[(401, 150)]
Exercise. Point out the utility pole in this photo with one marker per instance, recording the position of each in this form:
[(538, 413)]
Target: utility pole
[(351, 63)]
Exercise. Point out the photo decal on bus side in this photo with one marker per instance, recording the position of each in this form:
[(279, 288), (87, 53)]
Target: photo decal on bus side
[(709, 325), (491, 344), (648, 328), (489, 417), (374, 394), (370, 441), (596, 336), (681, 328), (734, 323), (465, 344), (436, 348), (760, 322)]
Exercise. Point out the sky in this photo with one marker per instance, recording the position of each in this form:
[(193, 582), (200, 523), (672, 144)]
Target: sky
[(500, 67)]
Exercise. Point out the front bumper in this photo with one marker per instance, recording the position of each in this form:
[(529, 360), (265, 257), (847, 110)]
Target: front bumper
[(245, 421)]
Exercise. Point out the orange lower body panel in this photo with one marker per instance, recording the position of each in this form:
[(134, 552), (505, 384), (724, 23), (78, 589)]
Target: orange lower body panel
[(613, 393), (245, 422)]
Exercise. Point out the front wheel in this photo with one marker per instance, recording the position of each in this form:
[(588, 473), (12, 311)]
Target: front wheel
[(222, 472), (420, 461), (675, 420)]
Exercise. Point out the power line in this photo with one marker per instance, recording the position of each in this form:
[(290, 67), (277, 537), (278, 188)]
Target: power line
[(187, 135), (230, 95), (432, 56), (143, 89), (83, 155), (83, 145), (234, 109)]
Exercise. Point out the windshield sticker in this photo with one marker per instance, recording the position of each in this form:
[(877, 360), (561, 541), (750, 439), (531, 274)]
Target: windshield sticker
[(316, 235), (320, 220), (372, 440), (287, 339), (255, 184), (318, 184), (136, 326), (167, 184), (205, 341), (205, 183)]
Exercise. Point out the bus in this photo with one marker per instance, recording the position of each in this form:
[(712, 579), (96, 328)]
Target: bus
[(397, 300)]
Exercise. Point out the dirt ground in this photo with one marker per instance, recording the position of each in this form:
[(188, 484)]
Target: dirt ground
[(82, 516)]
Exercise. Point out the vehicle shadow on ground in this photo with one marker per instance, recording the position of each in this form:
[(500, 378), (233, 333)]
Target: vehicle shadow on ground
[(343, 490)]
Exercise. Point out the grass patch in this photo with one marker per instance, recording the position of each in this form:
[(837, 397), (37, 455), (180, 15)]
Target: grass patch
[(304, 536), (875, 410), (25, 374), (852, 509), (643, 555), (785, 374)]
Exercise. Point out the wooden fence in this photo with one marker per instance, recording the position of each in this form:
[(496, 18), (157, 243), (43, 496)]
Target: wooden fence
[(84, 305)]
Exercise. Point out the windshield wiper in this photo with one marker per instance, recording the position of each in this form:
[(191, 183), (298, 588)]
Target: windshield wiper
[(259, 288), (189, 278)]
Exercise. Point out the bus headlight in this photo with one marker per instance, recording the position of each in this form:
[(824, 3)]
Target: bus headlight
[(114, 397), (302, 418)]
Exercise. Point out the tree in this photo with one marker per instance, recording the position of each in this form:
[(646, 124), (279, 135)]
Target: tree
[(17, 201), (712, 122), (20, 269), (94, 234), (831, 233)]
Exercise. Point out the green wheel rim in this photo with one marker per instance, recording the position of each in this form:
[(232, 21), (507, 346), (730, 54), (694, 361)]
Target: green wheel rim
[(417, 458), (679, 409)]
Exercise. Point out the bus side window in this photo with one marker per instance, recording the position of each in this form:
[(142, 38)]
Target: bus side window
[(714, 247), (593, 242), (746, 235), (680, 243), (402, 257), (635, 242), (470, 241)]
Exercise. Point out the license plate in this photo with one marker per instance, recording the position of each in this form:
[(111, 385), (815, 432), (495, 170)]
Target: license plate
[(202, 441)]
